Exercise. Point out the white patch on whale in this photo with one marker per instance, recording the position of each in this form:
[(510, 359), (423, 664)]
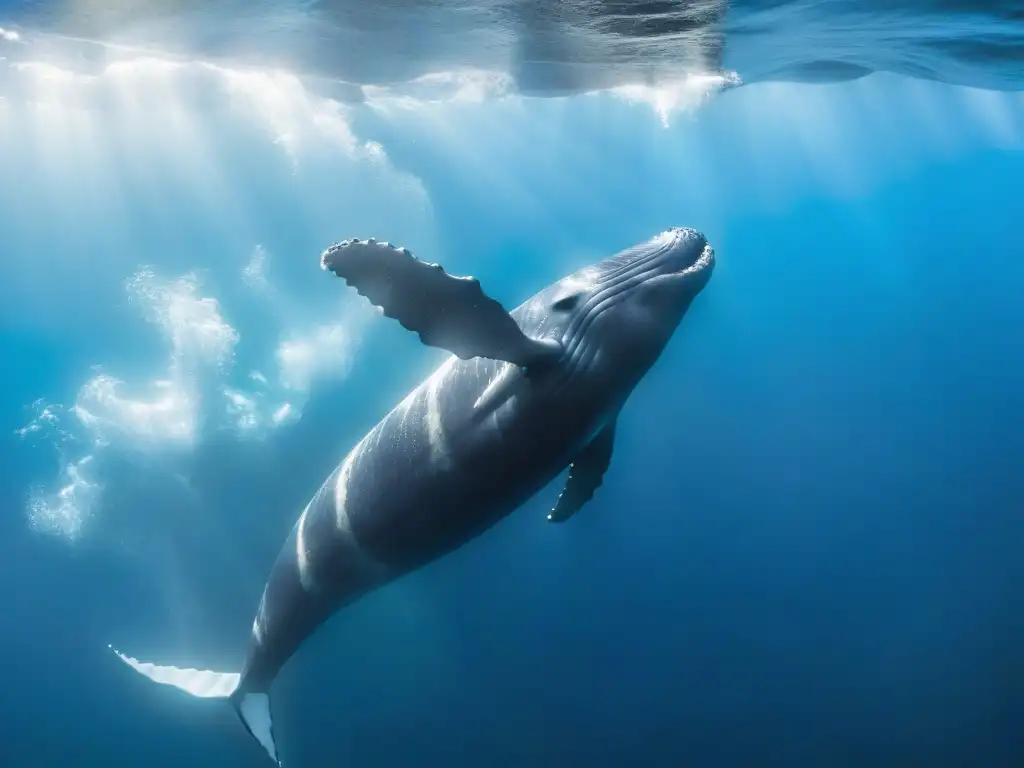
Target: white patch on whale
[(435, 429), (260, 620), (255, 711), (197, 682), (341, 490), (306, 576), (254, 707)]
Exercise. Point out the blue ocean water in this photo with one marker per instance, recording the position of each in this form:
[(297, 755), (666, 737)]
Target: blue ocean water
[(807, 549)]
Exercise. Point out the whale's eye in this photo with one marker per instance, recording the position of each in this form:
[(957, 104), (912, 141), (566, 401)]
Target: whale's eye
[(567, 303)]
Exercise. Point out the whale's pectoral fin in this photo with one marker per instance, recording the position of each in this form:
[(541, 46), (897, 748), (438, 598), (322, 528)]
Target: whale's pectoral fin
[(449, 312), (586, 473)]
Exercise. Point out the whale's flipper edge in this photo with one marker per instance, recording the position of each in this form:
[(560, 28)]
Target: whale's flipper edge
[(586, 474), (448, 312), (253, 707)]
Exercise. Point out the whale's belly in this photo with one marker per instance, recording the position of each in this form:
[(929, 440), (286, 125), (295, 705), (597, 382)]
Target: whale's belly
[(429, 476)]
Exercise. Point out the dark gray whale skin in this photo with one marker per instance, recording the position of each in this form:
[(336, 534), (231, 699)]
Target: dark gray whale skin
[(472, 442)]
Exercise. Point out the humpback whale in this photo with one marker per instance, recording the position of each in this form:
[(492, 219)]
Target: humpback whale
[(524, 395)]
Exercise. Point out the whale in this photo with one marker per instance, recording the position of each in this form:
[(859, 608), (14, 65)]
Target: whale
[(524, 396)]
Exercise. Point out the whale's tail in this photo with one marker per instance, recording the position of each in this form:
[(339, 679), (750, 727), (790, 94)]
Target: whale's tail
[(252, 706)]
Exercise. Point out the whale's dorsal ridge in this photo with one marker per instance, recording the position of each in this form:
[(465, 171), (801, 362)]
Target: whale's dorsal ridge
[(446, 311)]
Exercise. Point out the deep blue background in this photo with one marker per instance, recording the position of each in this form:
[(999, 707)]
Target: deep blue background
[(806, 551)]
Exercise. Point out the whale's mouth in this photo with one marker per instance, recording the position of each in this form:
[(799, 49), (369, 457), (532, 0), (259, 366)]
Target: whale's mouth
[(683, 251), (687, 265), (698, 261)]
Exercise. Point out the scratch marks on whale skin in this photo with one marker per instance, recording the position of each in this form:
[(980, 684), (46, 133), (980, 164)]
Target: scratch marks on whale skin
[(423, 406), (341, 480), (404, 409), (434, 425), (358, 563), (260, 621), (306, 576)]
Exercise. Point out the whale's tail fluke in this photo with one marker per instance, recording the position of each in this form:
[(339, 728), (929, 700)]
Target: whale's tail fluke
[(253, 707)]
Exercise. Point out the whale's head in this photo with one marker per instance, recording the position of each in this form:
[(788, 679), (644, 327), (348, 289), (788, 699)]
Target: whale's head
[(615, 317)]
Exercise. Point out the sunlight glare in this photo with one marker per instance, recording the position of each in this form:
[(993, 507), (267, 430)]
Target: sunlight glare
[(684, 95), (999, 115)]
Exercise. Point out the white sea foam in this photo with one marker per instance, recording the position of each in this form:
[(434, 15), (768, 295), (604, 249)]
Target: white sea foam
[(196, 392)]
